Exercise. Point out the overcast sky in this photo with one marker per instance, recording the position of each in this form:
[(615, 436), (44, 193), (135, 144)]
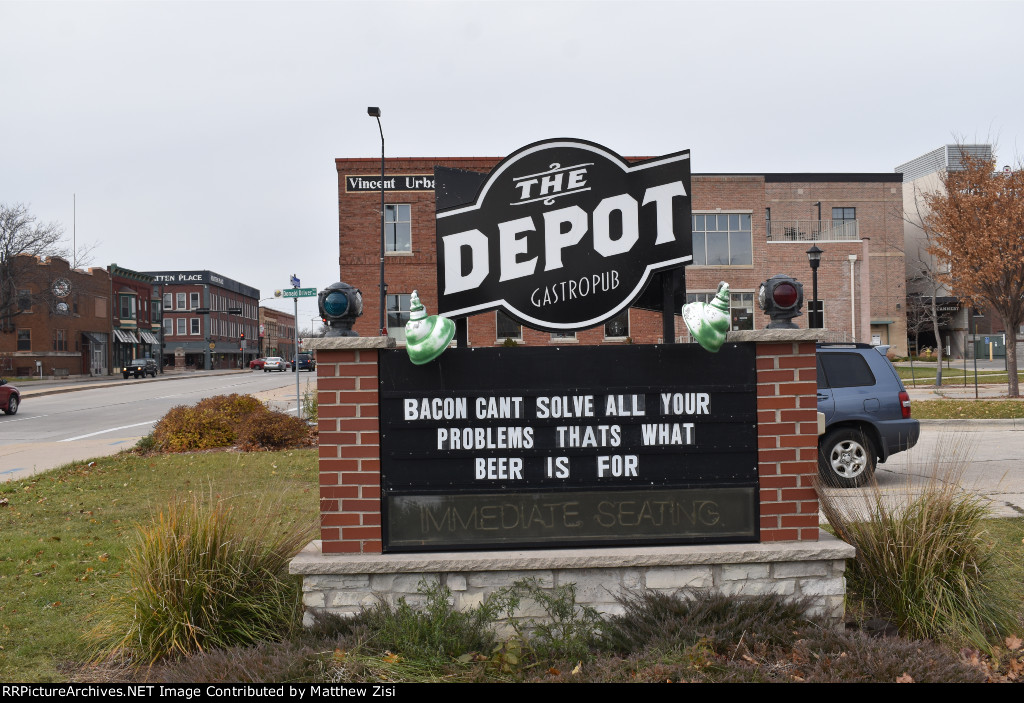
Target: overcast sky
[(202, 135)]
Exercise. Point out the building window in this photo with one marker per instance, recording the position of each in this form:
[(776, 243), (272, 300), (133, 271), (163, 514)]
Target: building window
[(397, 229), (507, 328), (127, 307), (195, 326), (168, 326), (155, 309), (168, 301), (398, 315), (60, 340), (722, 240), (563, 336), (843, 214), (741, 312), (25, 300), (741, 308), (180, 302), (618, 326), (181, 327), (24, 340), (193, 301)]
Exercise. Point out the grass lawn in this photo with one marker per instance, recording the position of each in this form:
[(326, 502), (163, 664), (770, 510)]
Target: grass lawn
[(954, 375), (64, 536), (960, 409)]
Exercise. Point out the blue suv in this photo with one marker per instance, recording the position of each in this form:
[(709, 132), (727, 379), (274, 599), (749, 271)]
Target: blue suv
[(867, 413)]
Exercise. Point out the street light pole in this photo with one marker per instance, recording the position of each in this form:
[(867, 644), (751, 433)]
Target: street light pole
[(814, 258), (375, 112)]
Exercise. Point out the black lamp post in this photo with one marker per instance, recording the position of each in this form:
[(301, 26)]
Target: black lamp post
[(814, 258), (375, 112)]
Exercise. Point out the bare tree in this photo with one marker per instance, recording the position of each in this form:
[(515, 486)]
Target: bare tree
[(926, 282)]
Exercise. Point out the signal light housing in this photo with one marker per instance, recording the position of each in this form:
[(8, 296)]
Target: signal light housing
[(781, 298)]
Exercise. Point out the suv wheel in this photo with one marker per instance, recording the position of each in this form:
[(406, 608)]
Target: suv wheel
[(846, 458)]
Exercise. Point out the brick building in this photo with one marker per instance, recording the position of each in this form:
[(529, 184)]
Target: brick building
[(199, 331), (134, 317), (747, 228), (277, 333), (61, 325)]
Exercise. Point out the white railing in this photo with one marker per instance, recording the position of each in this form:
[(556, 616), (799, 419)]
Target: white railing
[(812, 230)]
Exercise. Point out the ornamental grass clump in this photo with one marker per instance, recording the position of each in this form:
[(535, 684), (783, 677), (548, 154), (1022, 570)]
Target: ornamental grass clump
[(204, 577), (923, 554)]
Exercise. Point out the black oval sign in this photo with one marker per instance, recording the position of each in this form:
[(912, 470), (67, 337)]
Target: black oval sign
[(564, 235)]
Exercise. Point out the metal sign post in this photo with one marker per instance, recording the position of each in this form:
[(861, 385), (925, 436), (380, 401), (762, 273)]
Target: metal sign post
[(297, 293)]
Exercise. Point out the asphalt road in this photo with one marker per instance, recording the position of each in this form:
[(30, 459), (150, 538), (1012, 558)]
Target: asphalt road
[(55, 429)]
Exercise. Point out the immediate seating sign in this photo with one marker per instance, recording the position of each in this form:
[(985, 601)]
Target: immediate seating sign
[(566, 446)]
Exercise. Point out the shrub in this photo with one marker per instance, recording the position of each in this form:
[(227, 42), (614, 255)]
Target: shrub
[(675, 622), (923, 556), (436, 632), (568, 629), (849, 657), (225, 421), (201, 580)]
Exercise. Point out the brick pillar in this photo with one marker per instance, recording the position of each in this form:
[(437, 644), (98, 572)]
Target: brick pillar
[(347, 392), (787, 435)]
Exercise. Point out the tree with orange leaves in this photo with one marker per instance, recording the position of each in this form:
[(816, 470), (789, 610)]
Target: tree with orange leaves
[(978, 227)]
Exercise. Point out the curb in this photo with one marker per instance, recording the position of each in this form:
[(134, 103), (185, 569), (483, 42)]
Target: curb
[(91, 386), (976, 425)]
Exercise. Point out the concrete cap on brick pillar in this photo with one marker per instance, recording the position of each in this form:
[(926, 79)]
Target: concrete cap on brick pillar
[(349, 343)]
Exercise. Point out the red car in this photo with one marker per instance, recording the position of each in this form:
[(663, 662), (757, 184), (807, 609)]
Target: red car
[(10, 398), (257, 363)]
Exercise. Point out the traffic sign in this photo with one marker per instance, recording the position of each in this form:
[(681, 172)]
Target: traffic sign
[(299, 292)]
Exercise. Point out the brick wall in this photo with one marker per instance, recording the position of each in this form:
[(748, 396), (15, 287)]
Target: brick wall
[(347, 386)]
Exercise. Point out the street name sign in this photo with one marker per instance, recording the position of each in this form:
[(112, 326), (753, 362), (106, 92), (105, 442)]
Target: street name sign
[(299, 293)]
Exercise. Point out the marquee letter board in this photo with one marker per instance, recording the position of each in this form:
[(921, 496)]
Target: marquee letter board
[(498, 448)]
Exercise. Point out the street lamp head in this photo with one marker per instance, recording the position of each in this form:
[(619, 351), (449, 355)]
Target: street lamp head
[(373, 112), (814, 256)]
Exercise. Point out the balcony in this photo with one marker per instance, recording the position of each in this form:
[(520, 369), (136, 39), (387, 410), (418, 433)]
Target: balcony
[(812, 230)]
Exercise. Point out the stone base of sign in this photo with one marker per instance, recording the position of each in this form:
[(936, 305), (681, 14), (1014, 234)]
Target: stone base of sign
[(345, 584)]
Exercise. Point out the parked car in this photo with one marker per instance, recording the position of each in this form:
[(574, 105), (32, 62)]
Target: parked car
[(10, 398), (140, 368), (867, 413), (257, 363), (276, 363), (306, 363)]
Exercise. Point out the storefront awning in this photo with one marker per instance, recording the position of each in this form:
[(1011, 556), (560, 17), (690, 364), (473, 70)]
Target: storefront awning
[(126, 336), (98, 338), (148, 338)]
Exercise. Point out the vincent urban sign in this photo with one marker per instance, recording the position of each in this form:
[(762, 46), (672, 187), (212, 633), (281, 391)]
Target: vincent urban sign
[(501, 448), (401, 183), (564, 235)]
